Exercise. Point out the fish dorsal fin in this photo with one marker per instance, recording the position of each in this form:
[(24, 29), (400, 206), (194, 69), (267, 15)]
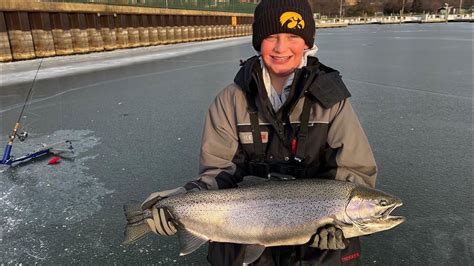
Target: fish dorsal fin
[(188, 242), (252, 253)]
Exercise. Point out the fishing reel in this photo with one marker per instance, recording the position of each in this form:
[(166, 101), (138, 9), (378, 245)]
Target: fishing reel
[(22, 136)]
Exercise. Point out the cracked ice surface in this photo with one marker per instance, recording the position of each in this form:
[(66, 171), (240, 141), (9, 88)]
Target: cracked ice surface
[(36, 197)]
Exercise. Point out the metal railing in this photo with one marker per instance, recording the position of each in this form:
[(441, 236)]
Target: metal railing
[(207, 5)]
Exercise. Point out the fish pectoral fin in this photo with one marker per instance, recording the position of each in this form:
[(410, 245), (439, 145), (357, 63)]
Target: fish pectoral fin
[(252, 253), (189, 242), (341, 224)]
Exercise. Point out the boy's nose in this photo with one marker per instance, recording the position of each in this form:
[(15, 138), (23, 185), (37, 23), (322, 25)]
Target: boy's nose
[(281, 45)]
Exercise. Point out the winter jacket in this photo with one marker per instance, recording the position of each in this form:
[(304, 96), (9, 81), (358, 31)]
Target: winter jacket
[(335, 147)]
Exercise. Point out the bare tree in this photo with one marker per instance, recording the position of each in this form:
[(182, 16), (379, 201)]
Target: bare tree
[(416, 6), (325, 7), (433, 6), (369, 7), (392, 6)]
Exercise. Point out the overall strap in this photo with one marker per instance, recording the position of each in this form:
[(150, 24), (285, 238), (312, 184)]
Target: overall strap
[(300, 153), (255, 126)]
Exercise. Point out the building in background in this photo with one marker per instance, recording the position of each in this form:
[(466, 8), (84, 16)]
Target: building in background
[(350, 2)]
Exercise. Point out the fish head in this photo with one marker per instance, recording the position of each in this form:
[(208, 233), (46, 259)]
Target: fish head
[(369, 211)]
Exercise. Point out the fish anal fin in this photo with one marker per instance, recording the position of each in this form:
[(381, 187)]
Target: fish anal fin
[(189, 242), (252, 253)]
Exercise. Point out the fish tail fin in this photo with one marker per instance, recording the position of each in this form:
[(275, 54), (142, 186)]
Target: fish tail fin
[(133, 232), (133, 212), (136, 227)]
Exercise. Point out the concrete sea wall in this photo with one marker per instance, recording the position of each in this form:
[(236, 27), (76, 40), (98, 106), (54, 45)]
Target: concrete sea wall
[(30, 29)]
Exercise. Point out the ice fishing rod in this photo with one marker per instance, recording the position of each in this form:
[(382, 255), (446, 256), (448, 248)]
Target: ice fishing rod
[(7, 158)]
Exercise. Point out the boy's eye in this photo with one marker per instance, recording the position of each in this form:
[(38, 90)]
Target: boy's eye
[(294, 37)]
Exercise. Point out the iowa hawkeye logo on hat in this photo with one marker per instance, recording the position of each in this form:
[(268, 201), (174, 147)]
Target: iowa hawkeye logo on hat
[(292, 20)]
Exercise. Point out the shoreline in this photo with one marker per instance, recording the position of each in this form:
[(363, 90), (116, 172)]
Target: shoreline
[(382, 20)]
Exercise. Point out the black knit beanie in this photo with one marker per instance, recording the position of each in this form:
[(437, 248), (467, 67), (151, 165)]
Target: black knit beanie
[(283, 16)]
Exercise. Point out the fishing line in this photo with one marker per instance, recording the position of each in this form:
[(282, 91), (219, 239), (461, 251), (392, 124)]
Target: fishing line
[(22, 136), (28, 96)]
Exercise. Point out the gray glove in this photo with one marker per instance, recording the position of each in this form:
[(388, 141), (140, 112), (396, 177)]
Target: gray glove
[(161, 221), (329, 237), (156, 196)]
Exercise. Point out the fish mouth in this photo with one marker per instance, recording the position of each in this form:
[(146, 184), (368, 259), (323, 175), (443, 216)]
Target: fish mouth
[(387, 217)]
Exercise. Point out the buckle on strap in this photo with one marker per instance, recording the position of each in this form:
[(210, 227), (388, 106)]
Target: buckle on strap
[(274, 169), (280, 177), (260, 169), (300, 172)]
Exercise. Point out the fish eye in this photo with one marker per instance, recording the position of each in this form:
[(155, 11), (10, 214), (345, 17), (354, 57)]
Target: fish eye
[(383, 203)]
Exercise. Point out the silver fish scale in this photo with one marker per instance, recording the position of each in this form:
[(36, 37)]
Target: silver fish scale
[(272, 213)]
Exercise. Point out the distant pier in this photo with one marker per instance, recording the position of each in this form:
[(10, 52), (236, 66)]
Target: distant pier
[(425, 18)]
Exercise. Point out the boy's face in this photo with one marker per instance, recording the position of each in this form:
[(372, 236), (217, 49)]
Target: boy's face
[(282, 53)]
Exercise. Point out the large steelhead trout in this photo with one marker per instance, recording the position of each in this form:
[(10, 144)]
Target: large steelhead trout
[(273, 213)]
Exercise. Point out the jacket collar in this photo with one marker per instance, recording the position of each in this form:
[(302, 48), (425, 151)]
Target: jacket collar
[(244, 77), (252, 65), (322, 82), (327, 86)]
